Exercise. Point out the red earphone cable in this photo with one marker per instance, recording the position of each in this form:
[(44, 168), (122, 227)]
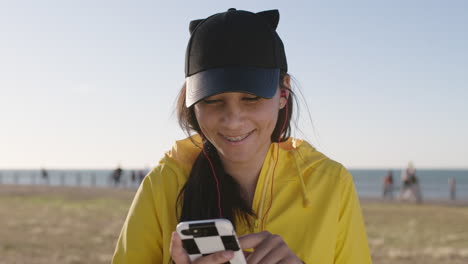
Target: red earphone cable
[(217, 182)]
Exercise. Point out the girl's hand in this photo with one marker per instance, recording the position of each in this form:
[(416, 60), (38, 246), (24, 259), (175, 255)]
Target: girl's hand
[(179, 256), (267, 248)]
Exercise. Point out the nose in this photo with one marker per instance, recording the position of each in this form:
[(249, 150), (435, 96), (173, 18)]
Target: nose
[(233, 117)]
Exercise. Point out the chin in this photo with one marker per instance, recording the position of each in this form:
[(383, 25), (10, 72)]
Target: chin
[(236, 155)]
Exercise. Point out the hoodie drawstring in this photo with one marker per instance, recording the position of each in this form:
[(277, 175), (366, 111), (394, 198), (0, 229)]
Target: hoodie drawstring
[(306, 202)]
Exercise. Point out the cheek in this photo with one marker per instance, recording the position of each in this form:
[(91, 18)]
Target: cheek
[(204, 118), (267, 116)]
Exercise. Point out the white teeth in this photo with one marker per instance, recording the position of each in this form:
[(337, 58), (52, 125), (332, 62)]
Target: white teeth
[(234, 139)]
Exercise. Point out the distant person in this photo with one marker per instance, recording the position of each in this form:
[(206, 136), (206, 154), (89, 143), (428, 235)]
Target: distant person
[(133, 176), (415, 187), (117, 175), (410, 185), (45, 176), (452, 188), (387, 192)]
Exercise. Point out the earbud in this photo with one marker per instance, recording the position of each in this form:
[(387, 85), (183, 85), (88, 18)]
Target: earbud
[(283, 93)]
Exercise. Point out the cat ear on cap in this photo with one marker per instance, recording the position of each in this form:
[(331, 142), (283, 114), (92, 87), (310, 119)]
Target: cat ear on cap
[(271, 16), (193, 25)]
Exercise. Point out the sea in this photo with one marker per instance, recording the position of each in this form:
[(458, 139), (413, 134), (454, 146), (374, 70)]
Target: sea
[(433, 183)]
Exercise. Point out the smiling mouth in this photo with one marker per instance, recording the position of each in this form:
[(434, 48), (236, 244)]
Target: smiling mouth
[(238, 138)]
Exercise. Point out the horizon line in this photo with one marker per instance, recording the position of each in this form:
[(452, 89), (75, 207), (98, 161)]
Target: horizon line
[(151, 167)]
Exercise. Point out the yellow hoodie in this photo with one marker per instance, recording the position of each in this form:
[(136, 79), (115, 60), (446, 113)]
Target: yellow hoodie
[(315, 208)]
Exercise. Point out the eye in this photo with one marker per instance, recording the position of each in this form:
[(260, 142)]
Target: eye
[(251, 99), (212, 101)]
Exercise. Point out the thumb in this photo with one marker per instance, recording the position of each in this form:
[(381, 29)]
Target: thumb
[(178, 253)]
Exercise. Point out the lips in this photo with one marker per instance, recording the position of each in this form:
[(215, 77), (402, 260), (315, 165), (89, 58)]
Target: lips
[(237, 138)]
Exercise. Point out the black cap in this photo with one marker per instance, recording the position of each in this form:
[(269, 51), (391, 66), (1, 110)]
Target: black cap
[(234, 51)]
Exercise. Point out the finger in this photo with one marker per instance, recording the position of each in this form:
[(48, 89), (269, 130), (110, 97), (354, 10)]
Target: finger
[(266, 248), (278, 254), (216, 258), (253, 240), (178, 253), (291, 260)]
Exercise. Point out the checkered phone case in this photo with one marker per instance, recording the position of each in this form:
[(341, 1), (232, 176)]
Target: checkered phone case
[(204, 237)]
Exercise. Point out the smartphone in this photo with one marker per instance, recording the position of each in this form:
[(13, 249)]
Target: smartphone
[(204, 237)]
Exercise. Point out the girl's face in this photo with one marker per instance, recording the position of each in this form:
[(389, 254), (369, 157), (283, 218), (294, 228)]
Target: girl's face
[(239, 125)]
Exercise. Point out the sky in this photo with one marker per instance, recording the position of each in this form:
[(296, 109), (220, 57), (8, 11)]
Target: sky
[(92, 84)]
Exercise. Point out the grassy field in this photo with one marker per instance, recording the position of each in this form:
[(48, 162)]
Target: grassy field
[(60, 225), (78, 225), (412, 233)]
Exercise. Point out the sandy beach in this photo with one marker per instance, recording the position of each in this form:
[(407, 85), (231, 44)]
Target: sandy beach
[(42, 224)]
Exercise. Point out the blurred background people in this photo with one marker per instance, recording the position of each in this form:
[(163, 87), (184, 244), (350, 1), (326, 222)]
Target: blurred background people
[(410, 189), (45, 176), (117, 175), (387, 186)]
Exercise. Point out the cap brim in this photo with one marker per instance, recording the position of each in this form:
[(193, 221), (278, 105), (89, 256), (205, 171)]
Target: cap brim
[(258, 81)]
